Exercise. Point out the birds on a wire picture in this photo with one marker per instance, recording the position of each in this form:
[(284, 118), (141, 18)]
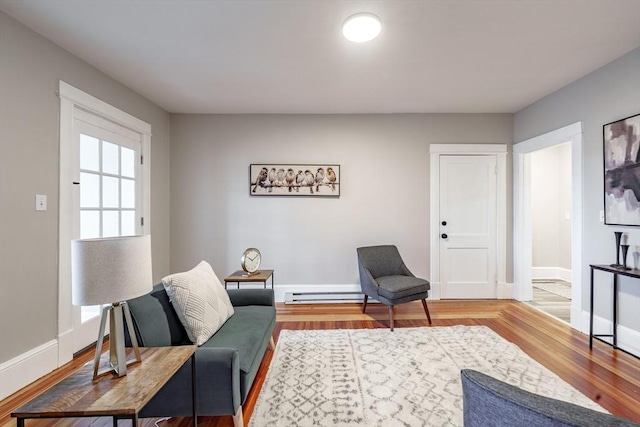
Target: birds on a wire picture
[(294, 180)]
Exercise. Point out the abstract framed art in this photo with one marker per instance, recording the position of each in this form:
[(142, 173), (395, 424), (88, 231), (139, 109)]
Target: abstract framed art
[(622, 171), (311, 180)]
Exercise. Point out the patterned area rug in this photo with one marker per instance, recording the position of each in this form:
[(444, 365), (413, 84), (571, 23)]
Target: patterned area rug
[(374, 377), (562, 289)]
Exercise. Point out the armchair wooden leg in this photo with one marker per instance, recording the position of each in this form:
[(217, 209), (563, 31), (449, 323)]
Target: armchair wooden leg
[(272, 345), (426, 309), (237, 418), (364, 306), (391, 317)]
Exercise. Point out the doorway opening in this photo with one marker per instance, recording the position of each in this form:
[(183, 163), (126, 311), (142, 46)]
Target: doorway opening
[(551, 230), (565, 206)]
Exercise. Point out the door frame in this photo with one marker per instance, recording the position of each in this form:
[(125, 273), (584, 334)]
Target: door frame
[(73, 100), (504, 290), (522, 221)]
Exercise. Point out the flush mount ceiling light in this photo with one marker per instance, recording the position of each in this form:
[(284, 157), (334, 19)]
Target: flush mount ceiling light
[(361, 27)]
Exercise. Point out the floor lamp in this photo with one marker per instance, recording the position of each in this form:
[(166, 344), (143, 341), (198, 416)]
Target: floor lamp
[(111, 271)]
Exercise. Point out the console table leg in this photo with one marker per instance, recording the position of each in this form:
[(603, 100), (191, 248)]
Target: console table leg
[(615, 311), (591, 312)]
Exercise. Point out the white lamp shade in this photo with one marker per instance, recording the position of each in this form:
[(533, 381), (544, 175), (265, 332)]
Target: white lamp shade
[(111, 269)]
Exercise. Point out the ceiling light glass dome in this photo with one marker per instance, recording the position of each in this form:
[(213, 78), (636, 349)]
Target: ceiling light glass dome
[(361, 27)]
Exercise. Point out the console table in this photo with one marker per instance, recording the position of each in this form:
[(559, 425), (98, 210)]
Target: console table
[(242, 276), (616, 271), (79, 395)]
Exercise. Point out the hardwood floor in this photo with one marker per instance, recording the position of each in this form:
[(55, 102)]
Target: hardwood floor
[(607, 376)]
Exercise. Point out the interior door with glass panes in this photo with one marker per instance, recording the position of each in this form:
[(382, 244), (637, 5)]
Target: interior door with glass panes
[(108, 199)]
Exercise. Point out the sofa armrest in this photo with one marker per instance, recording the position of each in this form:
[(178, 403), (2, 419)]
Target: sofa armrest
[(241, 297), (217, 385)]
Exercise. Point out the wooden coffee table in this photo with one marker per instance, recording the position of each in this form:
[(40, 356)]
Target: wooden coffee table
[(121, 398)]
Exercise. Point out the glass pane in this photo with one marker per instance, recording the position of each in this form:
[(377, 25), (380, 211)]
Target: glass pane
[(89, 190), (110, 192), (110, 158), (128, 193), (88, 312), (89, 153), (110, 223), (127, 163), (128, 223), (89, 224)]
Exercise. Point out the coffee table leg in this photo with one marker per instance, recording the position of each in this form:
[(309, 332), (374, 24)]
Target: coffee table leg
[(134, 420), (20, 422)]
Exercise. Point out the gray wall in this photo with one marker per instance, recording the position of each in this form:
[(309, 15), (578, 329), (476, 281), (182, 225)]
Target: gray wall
[(606, 95), (30, 67), (384, 162), (550, 201)]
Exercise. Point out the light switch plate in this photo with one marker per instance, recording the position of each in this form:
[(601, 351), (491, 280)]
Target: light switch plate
[(41, 202)]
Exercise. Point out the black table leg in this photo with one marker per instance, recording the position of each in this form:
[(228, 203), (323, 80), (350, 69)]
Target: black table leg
[(615, 310), (591, 313), (193, 389), (20, 422)]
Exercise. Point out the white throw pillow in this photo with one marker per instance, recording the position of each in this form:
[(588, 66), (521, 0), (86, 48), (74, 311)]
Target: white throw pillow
[(200, 300)]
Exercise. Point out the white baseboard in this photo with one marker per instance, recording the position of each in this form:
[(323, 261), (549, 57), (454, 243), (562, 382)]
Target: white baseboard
[(28, 367), (551, 273), (505, 290), (628, 339)]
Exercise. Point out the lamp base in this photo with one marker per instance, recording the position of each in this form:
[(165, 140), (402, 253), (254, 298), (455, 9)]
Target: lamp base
[(117, 355)]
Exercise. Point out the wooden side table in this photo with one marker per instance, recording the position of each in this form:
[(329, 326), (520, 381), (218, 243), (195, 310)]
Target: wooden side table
[(120, 398), (242, 276)]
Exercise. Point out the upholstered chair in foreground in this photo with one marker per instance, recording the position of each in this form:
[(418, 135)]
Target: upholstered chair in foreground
[(385, 278)]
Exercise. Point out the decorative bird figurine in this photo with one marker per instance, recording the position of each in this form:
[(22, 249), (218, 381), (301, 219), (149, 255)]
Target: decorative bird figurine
[(331, 175), (260, 180), (299, 180), (309, 180), (290, 177), (319, 178), (272, 179)]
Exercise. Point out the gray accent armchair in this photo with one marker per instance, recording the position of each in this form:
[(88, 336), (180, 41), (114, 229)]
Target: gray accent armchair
[(385, 278)]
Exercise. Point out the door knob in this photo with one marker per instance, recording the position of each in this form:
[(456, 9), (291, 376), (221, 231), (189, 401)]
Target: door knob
[(444, 236), (444, 222)]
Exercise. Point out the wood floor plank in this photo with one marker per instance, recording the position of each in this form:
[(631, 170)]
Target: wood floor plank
[(607, 376)]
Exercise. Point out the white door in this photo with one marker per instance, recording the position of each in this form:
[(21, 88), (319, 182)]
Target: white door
[(468, 226), (107, 199)]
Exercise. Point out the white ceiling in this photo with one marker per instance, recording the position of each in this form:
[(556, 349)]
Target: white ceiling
[(268, 56)]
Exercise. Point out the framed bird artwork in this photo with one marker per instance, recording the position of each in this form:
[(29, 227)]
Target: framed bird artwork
[(296, 180)]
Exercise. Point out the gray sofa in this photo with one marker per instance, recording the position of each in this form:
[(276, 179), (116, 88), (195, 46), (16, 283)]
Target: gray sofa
[(490, 402), (226, 364)]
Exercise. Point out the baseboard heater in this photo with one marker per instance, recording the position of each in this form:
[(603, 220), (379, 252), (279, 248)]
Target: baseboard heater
[(322, 297)]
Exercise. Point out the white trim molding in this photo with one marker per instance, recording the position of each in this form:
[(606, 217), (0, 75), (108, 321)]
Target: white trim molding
[(27, 367), (551, 273), (503, 289), (522, 221)]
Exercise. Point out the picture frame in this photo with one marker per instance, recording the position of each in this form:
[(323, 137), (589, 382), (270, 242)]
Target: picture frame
[(295, 179), (621, 142)]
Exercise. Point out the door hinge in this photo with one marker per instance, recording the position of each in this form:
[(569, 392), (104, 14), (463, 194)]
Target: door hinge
[(141, 221), (141, 159)]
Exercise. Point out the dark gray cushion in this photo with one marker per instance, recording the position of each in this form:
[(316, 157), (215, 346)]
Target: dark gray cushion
[(381, 260), (490, 402), (242, 331), (393, 287)]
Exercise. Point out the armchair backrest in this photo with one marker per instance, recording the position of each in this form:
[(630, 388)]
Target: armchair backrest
[(384, 260)]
